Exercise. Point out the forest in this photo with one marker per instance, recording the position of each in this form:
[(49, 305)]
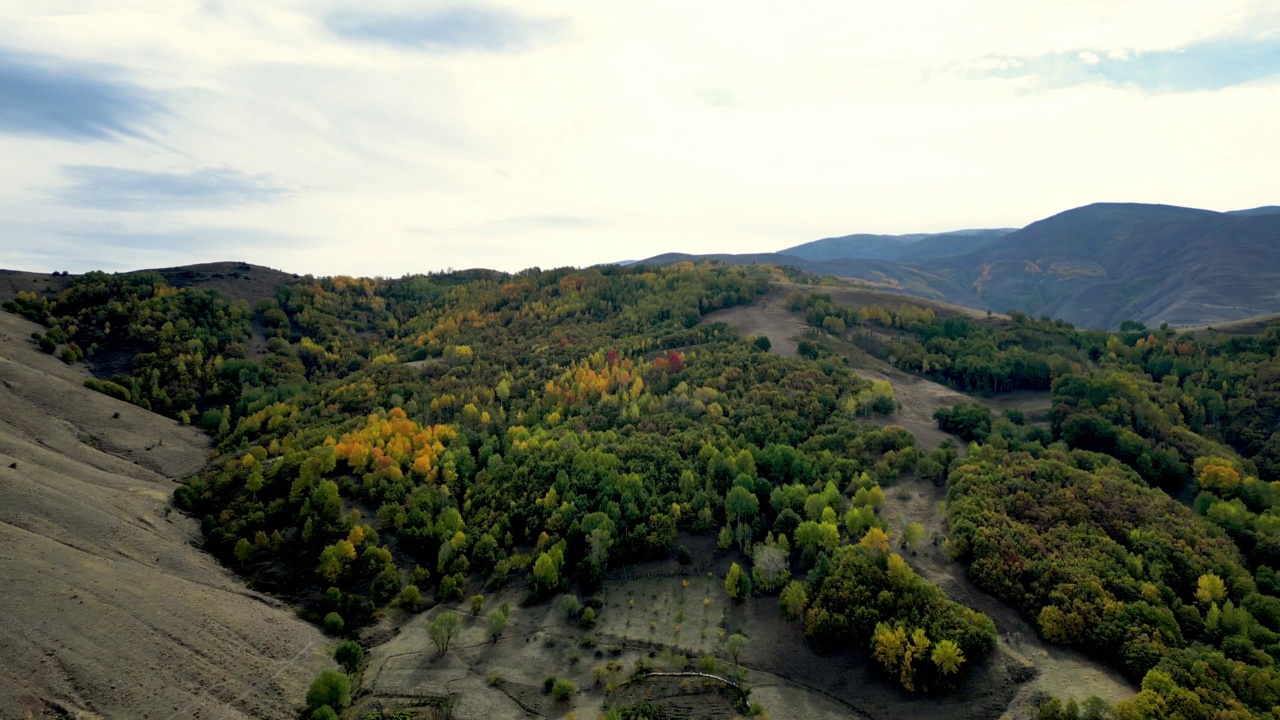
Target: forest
[(381, 442)]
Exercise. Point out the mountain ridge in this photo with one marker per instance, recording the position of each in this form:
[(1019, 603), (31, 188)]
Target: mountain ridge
[(1095, 266)]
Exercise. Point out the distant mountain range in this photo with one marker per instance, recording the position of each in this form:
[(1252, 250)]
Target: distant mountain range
[(895, 247), (1094, 266)]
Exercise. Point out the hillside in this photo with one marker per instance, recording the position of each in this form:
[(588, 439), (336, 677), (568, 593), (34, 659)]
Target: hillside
[(109, 612), (1101, 264)]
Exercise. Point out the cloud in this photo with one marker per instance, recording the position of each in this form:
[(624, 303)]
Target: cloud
[(510, 226), (205, 241), (446, 29), (1208, 65), (70, 101), (111, 188), (718, 97)]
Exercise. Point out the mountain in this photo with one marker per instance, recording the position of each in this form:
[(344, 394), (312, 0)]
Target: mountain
[(894, 247), (861, 245), (1094, 266), (1105, 263)]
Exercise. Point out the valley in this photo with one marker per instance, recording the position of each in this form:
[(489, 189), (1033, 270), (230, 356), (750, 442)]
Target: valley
[(719, 499)]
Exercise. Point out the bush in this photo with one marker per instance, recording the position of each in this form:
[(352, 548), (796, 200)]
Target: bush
[(333, 623), (563, 689), (324, 712), (106, 387), (410, 598)]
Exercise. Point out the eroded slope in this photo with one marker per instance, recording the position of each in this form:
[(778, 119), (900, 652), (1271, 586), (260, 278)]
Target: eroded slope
[(108, 609)]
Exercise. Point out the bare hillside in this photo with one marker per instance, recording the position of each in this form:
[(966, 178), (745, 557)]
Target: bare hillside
[(109, 611)]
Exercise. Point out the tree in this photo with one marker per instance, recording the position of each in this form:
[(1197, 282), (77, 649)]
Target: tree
[(794, 600), (734, 645), (947, 656), (335, 559), (546, 574), (741, 503), (733, 582), (912, 534), (244, 550), (333, 623), (901, 576), (443, 629), (771, 568), (1210, 589), (410, 598), (495, 622), (876, 541), (348, 654), (332, 688), (477, 603), (1217, 475)]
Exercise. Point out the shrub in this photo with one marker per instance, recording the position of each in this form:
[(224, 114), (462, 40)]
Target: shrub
[(333, 623), (563, 689)]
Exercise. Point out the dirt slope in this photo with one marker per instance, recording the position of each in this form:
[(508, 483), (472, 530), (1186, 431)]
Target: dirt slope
[(108, 610)]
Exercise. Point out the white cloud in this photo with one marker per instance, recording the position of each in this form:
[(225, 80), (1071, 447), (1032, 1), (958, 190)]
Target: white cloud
[(1089, 58), (720, 126)]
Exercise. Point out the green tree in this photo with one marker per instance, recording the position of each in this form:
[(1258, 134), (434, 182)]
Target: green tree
[(912, 534), (410, 598), (332, 688), (794, 600), (546, 574), (741, 504), (348, 654), (333, 623), (477, 603), (495, 623), (443, 629), (734, 645)]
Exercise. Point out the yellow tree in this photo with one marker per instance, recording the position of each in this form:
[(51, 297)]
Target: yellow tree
[(947, 657), (1210, 588), (876, 541)]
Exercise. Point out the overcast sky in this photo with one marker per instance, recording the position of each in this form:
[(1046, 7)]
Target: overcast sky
[(369, 137)]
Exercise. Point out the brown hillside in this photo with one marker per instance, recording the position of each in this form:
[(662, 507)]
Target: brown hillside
[(109, 612)]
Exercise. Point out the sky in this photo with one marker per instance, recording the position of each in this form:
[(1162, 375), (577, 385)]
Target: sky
[(372, 137)]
